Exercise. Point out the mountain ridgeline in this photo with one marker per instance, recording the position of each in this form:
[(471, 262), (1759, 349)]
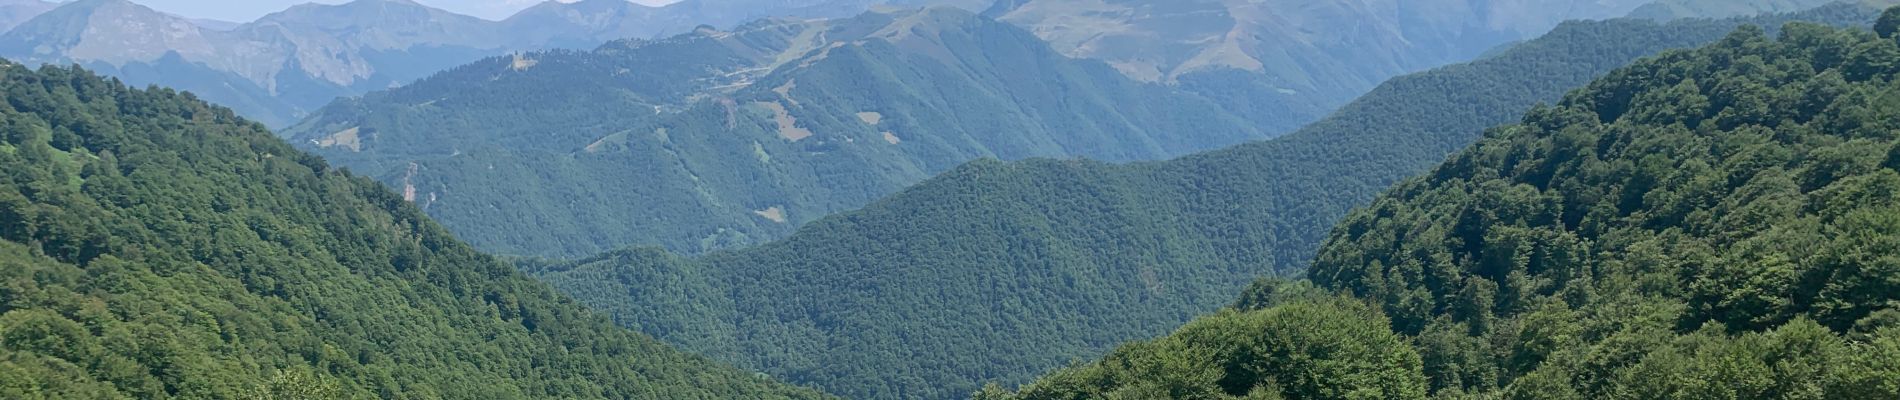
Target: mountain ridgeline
[(1000, 270), (1716, 223), (715, 139), (285, 65), (1672, 9), (153, 246)]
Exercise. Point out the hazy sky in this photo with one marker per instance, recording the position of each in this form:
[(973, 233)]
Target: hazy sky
[(247, 10)]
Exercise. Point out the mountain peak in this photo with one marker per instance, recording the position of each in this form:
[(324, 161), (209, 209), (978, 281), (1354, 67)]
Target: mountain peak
[(102, 29), (101, 4), (583, 9)]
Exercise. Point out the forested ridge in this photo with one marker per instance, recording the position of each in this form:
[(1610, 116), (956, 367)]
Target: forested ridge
[(714, 139), (1002, 270), (1672, 9), (1710, 224), (153, 246)]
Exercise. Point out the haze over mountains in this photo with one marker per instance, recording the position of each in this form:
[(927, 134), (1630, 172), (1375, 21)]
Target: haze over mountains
[(283, 66), (14, 12)]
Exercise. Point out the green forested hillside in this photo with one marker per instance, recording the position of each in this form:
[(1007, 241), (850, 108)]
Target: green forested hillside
[(153, 246), (1716, 223), (997, 271), (717, 139)]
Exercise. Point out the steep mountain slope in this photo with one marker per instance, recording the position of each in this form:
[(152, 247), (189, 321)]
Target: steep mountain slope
[(1718, 223), (153, 246), (1328, 51), (715, 139), (995, 271)]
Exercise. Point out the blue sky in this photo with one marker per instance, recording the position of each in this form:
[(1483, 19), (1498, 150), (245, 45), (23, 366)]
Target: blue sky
[(247, 10)]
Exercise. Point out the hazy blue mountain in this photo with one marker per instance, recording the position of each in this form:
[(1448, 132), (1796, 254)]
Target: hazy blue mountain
[(13, 12)]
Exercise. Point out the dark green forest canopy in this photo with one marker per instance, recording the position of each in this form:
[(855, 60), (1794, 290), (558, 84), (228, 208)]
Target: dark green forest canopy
[(1715, 223), (1001, 271), (154, 246)]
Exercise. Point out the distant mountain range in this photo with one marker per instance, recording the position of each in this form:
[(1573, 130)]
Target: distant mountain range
[(282, 66)]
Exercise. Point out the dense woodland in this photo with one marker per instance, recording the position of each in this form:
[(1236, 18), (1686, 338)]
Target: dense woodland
[(999, 271), (153, 246), (1710, 224)]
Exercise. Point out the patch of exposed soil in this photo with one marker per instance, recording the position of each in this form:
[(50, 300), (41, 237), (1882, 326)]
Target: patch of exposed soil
[(347, 138), (785, 91), (787, 124), (522, 63), (408, 187), (775, 214)]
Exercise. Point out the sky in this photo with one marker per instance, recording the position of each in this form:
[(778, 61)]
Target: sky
[(248, 10)]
